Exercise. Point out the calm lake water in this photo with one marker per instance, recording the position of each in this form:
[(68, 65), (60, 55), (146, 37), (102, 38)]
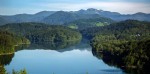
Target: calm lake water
[(77, 59)]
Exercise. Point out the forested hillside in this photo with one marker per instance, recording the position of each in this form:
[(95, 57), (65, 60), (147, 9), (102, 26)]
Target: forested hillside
[(8, 41), (122, 30), (87, 23), (127, 42), (38, 32), (62, 17)]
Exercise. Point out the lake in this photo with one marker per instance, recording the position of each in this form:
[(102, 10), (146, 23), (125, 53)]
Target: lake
[(76, 59)]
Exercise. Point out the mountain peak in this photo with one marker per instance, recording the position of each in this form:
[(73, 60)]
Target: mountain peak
[(62, 13), (91, 9), (45, 13), (140, 13)]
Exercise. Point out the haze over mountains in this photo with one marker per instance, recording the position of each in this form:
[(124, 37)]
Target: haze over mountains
[(61, 17)]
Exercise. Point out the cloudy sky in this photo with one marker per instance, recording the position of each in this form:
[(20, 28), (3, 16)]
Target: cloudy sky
[(11, 7)]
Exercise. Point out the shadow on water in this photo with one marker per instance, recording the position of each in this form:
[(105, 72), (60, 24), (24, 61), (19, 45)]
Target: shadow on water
[(68, 46), (115, 62), (52, 45), (64, 46), (5, 60), (59, 46), (111, 70)]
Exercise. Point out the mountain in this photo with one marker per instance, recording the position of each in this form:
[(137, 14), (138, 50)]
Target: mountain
[(123, 44), (44, 13), (18, 18), (95, 11), (25, 17), (62, 17), (2, 21), (41, 15), (115, 15), (139, 16), (128, 29), (87, 23)]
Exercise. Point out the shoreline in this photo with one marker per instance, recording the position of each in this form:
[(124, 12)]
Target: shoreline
[(14, 47)]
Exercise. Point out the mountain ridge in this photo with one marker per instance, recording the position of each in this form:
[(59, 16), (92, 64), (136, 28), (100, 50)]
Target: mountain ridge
[(55, 17)]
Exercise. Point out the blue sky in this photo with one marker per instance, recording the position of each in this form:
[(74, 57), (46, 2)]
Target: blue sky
[(11, 7)]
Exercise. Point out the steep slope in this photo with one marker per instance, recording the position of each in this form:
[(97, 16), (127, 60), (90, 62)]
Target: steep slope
[(123, 28), (38, 17), (124, 44), (38, 32), (8, 41), (62, 17), (2, 21)]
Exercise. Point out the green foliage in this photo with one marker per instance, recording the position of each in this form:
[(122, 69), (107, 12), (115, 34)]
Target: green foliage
[(127, 42), (24, 33), (139, 54), (2, 70), (73, 26), (8, 42), (19, 72), (99, 24), (128, 30), (62, 17), (6, 59), (87, 23), (54, 34), (38, 32)]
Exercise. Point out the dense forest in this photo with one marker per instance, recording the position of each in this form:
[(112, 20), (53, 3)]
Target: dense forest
[(132, 57), (35, 33), (38, 32), (13, 35), (8, 41), (121, 30), (127, 41), (124, 44)]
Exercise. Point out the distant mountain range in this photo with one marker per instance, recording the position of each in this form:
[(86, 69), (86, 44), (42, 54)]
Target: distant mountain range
[(61, 17), (116, 16)]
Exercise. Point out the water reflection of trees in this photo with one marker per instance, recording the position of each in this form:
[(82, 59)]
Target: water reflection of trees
[(5, 60), (116, 62), (47, 45), (53, 45)]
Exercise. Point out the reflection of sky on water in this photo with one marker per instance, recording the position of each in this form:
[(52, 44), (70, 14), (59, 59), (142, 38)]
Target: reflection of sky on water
[(76, 59)]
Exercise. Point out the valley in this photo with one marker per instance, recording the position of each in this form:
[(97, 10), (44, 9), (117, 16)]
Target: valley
[(118, 42)]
